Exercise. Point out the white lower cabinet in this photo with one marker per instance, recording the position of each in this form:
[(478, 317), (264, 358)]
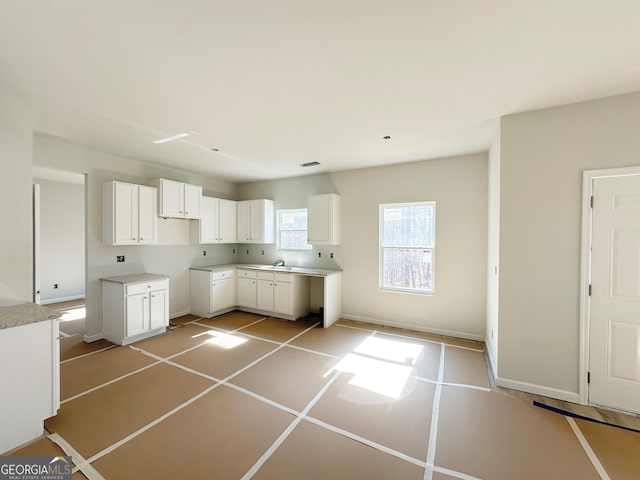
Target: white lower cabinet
[(276, 294), (283, 295), (211, 293), (30, 379), (265, 291), (134, 311), (246, 288)]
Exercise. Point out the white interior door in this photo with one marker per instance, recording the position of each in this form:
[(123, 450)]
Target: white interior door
[(614, 327), (36, 243)]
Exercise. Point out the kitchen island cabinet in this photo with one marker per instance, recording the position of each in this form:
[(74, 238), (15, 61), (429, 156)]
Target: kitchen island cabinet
[(30, 379)]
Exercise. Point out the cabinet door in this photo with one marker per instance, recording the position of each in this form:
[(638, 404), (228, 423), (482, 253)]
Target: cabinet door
[(246, 292), (243, 221), (158, 309), (265, 295), (227, 221), (223, 294), (192, 198), (209, 220), (172, 198), (147, 214), (137, 314), (323, 218), (256, 221), (283, 298), (125, 214)]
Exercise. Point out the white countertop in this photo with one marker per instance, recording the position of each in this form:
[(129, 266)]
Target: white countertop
[(135, 278), (310, 271), (24, 314)]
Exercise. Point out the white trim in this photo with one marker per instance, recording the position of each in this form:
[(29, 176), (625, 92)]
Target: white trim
[(93, 338), (493, 366), (182, 313), (538, 389), (588, 176), (415, 328), (61, 299), (381, 247)]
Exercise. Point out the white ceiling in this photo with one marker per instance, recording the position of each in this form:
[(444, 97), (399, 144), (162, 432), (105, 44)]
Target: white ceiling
[(273, 84)]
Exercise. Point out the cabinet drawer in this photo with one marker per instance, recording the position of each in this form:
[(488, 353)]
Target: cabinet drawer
[(265, 275), (222, 274), (283, 277), (246, 273), (147, 287)]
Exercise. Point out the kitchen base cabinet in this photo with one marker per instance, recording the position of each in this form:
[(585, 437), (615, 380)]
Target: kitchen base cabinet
[(280, 295), (134, 311), (246, 288), (30, 379), (211, 293)]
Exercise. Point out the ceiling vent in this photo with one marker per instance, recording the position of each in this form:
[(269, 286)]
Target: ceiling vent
[(309, 164)]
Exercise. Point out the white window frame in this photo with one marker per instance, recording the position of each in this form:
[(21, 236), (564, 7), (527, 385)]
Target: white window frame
[(279, 214), (382, 247)]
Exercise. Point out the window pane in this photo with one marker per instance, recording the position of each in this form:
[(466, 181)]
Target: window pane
[(408, 225), (296, 240), (408, 268), (296, 220)]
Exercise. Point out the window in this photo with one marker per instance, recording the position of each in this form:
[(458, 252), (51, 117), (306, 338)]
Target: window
[(407, 247), (292, 229)]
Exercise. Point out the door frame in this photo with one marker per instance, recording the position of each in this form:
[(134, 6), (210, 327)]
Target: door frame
[(588, 176)]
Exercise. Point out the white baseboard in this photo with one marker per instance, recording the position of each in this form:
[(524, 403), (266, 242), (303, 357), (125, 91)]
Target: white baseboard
[(179, 314), (493, 367), (417, 328), (93, 338), (61, 299), (539, 390)]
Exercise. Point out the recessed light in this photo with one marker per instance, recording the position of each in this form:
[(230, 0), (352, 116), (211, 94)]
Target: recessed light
[(309, 164), (386, 137), (172, 138)]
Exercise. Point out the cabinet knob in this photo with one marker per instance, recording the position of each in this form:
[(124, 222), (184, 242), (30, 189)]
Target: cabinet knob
[(141, 238), (186, 213)]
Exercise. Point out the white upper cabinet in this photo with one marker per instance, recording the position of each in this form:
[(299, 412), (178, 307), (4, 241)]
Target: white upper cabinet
[(227, 221), (129, 214), (217, 221), (178, 200), (323, 219), (255, 221)]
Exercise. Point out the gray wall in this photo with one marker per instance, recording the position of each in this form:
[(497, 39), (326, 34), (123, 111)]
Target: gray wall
[(172, 260), (16, 254), (61, 240), (459, 187), (543, 155)]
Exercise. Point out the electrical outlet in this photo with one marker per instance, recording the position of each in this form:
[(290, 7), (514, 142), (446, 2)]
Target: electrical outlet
[(120, 259), (263, 252), (247, 251), (331, 255), (319, 254), (55, 285), (204, 253), (234, 251)]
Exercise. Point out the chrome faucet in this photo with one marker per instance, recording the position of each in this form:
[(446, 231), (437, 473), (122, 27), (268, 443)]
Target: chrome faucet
[(279, 263)]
